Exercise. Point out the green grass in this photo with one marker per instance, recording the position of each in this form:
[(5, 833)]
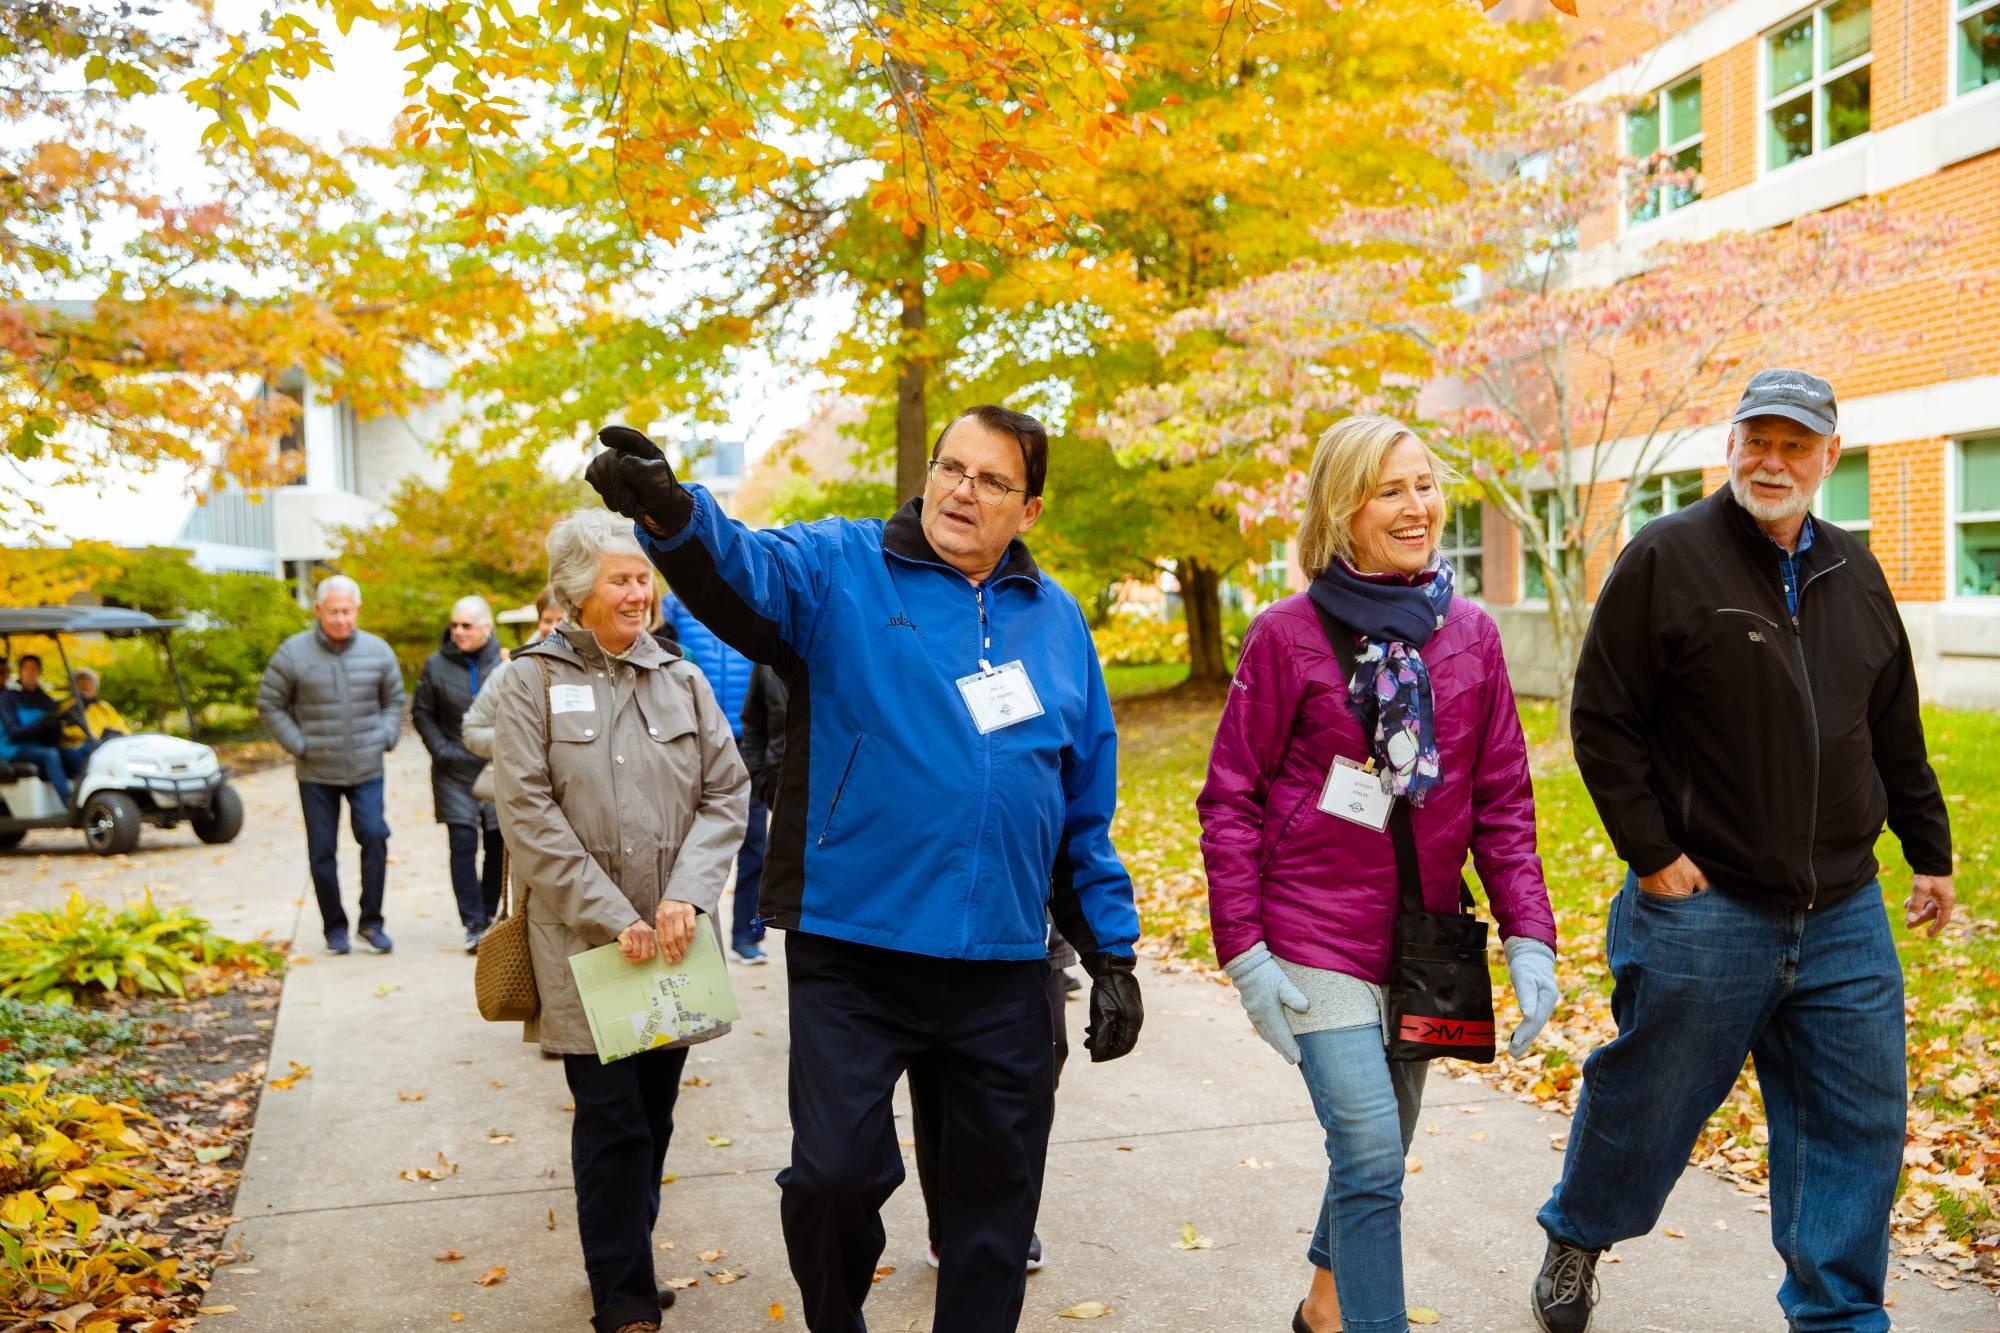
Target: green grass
[(1127, 682)]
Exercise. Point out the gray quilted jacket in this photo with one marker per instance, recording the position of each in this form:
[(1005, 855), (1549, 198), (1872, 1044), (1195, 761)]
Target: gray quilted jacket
[(337, 708)]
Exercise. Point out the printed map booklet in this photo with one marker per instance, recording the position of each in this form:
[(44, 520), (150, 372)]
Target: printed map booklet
[(634, 1007)]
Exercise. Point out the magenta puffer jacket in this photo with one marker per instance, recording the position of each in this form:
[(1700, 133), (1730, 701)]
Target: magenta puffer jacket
[(1321, 891)]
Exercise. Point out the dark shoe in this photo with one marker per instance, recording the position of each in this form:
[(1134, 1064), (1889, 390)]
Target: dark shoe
[(667, 1298), (1566, 1288), (378, 939), (336, 941), (1070, 984), (640, 1326), (749, 955), (1299, 1324), (1035, 1259)]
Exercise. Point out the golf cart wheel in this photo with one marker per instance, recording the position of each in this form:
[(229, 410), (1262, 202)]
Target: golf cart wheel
[(223, 819), (111, 823), (13, 839)]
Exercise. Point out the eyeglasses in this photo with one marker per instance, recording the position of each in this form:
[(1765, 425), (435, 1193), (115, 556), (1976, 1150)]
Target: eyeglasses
[(947, 473), (465, 624)]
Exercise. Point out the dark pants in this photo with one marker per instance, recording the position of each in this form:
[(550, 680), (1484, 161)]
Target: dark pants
[(979, 1033), (321, 803), (1816, 1000), (57, 766), (744, 928), (925, 1113), (478, 892), (617, 1147)]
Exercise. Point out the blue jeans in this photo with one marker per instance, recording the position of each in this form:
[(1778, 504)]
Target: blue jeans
[(1816, 1000), (476, 888), (321, 803), (1368, 1106), (744, 927), (57, 766)]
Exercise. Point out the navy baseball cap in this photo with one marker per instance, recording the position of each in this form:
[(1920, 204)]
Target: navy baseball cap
[(1793, 395)]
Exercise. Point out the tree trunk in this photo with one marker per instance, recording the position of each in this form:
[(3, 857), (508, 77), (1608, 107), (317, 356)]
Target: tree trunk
[(1569, 617), (1201, 597), (912, 376)]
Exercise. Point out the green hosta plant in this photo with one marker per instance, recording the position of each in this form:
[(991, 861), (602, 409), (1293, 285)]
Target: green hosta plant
[(84, 949)]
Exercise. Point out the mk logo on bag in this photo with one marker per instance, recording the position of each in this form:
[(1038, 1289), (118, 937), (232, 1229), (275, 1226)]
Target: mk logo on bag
[(1444, 1031)]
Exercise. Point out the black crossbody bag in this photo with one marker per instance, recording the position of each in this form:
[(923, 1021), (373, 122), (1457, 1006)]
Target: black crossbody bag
[(1439, 997)]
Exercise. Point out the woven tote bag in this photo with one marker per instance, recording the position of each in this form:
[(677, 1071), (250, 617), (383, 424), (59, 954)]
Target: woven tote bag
[(504, 977)]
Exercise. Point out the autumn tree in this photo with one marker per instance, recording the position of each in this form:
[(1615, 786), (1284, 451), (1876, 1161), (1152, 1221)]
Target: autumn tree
[(1553, 367)]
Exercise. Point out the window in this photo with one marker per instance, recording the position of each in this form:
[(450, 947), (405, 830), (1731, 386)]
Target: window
[(1464, 545), (1669, 123), (1663, 494), (1977, 522), (1978, 44), (1843, 497), (1552, 515), (291, 444), (1816, 82)]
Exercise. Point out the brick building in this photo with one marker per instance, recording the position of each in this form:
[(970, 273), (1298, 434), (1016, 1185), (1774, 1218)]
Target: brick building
[(1786, 108)]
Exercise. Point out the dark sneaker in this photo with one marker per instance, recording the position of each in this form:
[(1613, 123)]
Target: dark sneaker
[(1034, 1254), (1565, 1289), (336, 942), (751, 956), (378, 939)]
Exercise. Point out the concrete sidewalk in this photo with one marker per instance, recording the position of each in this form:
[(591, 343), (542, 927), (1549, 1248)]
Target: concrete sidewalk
[(1201, 1125)]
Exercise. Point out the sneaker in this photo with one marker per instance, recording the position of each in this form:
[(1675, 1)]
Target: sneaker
[(1070, 984), (1035, 1260), (378, 939), (472, 940), (751, 956), (930, 1256), (336, 941), (1565, 1289)]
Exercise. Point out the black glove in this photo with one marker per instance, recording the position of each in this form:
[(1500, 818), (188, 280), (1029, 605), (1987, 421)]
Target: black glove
[(1116, 1011), (635, 480)]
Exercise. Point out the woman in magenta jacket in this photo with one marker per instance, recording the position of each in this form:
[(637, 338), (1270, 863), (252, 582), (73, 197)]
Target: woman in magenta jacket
[(1303, 902)]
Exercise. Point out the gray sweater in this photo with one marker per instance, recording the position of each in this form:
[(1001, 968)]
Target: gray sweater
[(337, 708)]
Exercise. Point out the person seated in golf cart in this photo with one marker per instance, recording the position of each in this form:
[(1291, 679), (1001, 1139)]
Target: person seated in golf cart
[(30, 729), (90, 717)]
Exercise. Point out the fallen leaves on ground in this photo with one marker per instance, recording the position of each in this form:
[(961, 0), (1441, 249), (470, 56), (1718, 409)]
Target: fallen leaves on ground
[(720, 1141), (776, 1313), (1192, 1240), (711, 1256), (882, 1271), (1424, 1315), (1085, 1310), (552, 1219), (402, 1096), (444, 1170), (291, 1080), (495, 1136), (492, 1277), (449, 1256), (682, 1283)]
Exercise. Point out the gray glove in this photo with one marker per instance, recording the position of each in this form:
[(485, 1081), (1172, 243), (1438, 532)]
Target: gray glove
[(1266, 993), (1531, 966)]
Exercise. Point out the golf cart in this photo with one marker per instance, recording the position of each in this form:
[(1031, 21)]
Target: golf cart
[(131, 780)]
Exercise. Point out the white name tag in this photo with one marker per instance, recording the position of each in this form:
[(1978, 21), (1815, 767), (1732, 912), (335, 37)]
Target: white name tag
[(1000, 696), (571, 699), (1355, 794)]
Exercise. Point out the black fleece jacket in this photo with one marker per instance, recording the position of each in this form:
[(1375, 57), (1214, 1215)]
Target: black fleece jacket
[(1770, 748)]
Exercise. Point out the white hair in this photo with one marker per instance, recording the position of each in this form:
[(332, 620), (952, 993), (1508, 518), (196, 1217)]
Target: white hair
[(336, 583), (575, 546), (475, 608)]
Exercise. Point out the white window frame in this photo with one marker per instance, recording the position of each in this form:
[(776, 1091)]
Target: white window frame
[(1956, 13), (1819, 500), (1525, 558), (1658, 481), (1958, 518), (1671, 149), (1813, 88), (1454, 553)]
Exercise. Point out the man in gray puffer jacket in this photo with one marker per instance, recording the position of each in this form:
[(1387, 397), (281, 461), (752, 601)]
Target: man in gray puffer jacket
[(333, 697)]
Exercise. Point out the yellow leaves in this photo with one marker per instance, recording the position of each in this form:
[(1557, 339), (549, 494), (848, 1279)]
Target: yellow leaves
[(492, 1277), (1422, 1314), (720, 1141), (1190, 1239), (291, 1080), (1085, 1310), (444, 1170), (776, 1314)]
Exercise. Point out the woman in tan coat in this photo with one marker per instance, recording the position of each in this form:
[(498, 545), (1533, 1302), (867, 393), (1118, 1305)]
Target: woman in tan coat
[(623, 802)]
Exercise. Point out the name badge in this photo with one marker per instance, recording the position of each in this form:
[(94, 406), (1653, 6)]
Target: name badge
[(1355, 794), (571, 699), (1000, 697)]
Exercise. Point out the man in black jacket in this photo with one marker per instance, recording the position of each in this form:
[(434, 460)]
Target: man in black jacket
[(1746, 721)]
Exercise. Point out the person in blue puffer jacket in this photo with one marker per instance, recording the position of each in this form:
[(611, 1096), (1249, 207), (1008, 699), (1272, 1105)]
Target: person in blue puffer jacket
[(728, 674), (949, 743)]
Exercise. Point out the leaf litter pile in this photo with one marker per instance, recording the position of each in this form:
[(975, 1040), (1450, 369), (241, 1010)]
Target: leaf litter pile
[(113, 1208), (1946, 1223)]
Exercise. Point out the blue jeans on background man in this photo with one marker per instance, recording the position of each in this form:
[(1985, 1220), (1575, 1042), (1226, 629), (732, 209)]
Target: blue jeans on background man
[(321, 803), (1815, 998), (1367, 1104), (744, 927)]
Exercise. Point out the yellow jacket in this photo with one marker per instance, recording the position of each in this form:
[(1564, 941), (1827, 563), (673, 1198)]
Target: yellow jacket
[(101, 717)]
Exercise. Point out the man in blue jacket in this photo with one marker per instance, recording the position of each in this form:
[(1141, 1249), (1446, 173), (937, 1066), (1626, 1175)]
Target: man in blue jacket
[(948, 743), (728, 674)]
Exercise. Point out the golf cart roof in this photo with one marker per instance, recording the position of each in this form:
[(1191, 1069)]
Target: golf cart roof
[(79, 620)]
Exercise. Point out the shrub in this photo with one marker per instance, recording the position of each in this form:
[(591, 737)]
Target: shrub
[(1141, 641), (85, 950)]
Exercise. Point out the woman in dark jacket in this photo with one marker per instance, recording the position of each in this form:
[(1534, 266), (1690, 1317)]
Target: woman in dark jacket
[(1303, 900), (467, 656)]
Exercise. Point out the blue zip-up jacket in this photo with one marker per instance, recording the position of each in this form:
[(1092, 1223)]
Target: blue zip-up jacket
[(896, 823), (727, 671)]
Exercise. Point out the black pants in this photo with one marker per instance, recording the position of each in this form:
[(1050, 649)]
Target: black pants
[(925, 1113), (617, 1147), (477, 890), (978, 1033)]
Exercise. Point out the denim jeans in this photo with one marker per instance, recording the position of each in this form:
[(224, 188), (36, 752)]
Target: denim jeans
[(1815, 998), (477, 889), (54, 763), (744, 927), (321, 803), (1368, 1106)]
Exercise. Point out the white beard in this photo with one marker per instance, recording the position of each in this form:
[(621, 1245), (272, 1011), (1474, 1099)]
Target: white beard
[(1771, 511)]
